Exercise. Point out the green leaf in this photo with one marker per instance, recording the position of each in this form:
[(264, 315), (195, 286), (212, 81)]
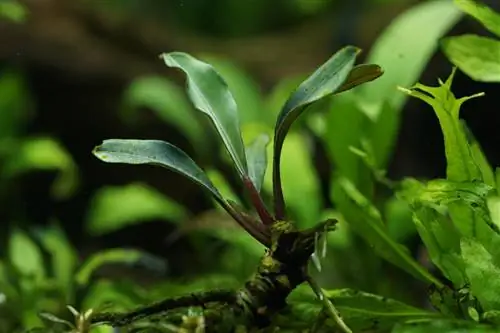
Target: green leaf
[(41, 153), (159, 153), (55, 319), (488, 18), (482, 270), (467, 205), (476, 56), (361, 311), (167, 100), (246, 91), (63, 257), (257, 160), (403, 50), (460, 163), (442, 326), (116, 207), (25, 255), (479, 157), (366, 220), (210, 94), (114, 256), (325, 81)]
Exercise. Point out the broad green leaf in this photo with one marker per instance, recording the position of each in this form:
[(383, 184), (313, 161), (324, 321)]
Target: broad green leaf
[(478, 10), (482, 270), (246, 91), (303, 193), (403, 50), (257, 160), (159, 153), (479, 157), (25, 255), (116, 207), (460, 162), (41, 153), (210, 94), (443, 326), (365, 219), (325, 81), (63, 257), (466, 202), (167, 100), (115, 256), (476, 56), (362, 312)]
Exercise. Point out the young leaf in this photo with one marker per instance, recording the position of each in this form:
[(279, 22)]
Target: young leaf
[(361, 311), (116, 207), (115, 256), (460, 163), (366, 220), (476, 56), (325, 81), (167, 100), (210, 94), (488, 18), (257, 160), (482, 270)]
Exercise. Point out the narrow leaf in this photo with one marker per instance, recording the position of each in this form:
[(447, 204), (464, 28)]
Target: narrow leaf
[(366, 220), (478, 10), (325, 81), (476, 56), (482, 270), (210, 94), (257, 160)]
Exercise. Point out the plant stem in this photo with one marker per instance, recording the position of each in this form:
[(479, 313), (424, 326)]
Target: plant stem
[(329, 307)]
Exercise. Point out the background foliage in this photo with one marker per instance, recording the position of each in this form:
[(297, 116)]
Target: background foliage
[(78, 232)]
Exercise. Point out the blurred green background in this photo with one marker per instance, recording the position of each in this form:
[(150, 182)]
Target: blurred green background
[(75, 72)]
